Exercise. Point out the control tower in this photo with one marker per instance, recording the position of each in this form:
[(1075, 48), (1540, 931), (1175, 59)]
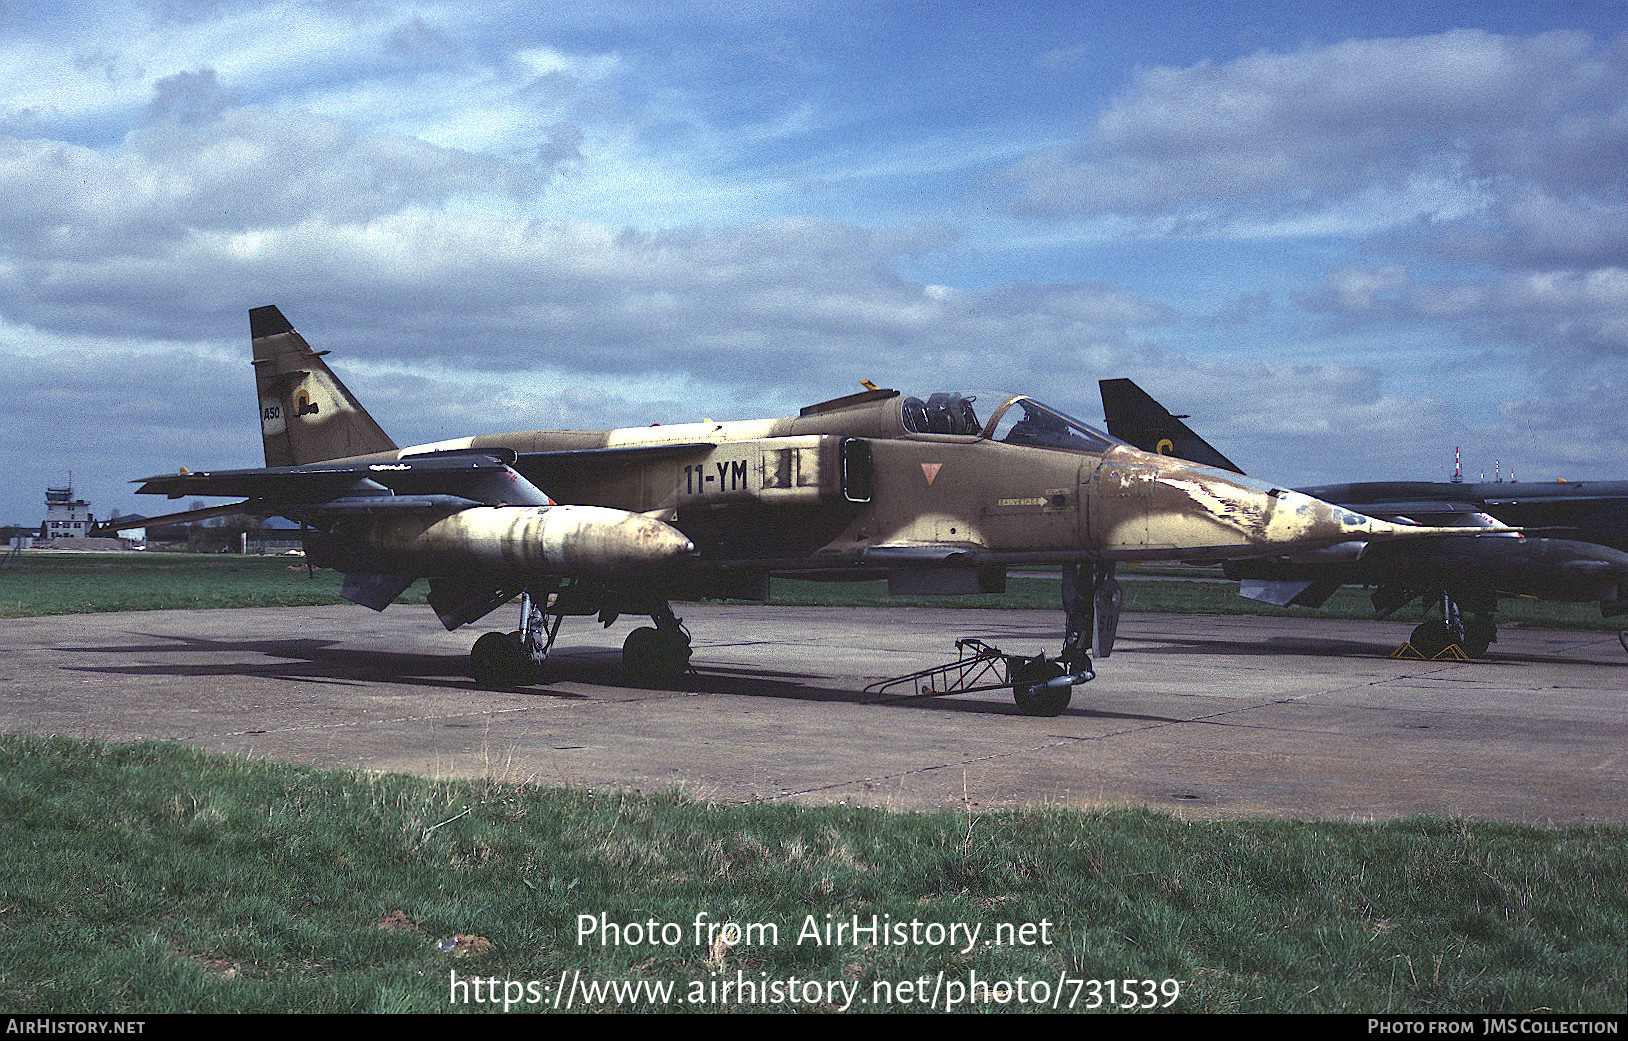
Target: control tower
[(65, 516)]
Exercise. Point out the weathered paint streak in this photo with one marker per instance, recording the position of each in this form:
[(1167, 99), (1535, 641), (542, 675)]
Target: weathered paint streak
[(567, 541)]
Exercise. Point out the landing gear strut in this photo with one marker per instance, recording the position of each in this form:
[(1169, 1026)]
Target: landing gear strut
[(657, 657), (500, 660), (1091, 599)]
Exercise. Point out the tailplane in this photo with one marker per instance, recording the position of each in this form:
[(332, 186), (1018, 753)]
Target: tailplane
[(306, 414), (1135, 418)]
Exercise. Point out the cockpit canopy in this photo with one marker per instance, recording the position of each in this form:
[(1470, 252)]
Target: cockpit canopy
[(941, 414), (1025, 421), (1016, 420)]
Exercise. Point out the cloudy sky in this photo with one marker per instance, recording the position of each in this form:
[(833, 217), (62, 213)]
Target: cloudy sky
[(1344, 241)]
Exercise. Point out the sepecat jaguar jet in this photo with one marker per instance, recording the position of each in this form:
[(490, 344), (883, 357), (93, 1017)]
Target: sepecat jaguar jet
[(934, 494)]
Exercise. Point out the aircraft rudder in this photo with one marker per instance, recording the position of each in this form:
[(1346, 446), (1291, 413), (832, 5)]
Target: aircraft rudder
[(267, 321), (307, 414)]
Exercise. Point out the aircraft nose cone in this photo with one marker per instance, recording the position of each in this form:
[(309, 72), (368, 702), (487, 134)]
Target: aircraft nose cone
[(1289, 518), (1314, 523), (1151, 506), (1305, 519)]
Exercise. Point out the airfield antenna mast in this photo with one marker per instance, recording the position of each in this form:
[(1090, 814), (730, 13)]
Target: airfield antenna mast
[(1458, 473)]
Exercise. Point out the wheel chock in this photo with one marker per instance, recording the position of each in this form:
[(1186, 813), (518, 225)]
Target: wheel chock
[(1452, 652)]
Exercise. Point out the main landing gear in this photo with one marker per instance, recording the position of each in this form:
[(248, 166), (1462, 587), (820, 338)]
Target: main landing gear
[(657, 657), (1473, 635), (654, 657)]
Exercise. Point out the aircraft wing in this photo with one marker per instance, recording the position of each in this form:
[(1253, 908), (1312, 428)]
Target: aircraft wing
[(465, 518), (384, 485), (614, 454)]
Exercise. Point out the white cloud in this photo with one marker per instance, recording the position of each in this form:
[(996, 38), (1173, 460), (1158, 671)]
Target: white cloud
[(1583, 314), (579, 217), (1420, 127)]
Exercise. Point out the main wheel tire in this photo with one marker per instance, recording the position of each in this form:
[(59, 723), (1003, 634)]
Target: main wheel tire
[(1046, 701), (492, 661), (1430, 638), (1479, 634), (498, 662), (526, 671), (655, 657)]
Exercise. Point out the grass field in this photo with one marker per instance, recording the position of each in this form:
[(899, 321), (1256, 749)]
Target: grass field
[(153, 878), (149, 879)]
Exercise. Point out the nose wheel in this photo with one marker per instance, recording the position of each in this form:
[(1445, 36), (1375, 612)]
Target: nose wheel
[(1040, 687)]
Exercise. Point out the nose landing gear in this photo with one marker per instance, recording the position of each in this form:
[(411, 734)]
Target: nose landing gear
[(1041, 686)]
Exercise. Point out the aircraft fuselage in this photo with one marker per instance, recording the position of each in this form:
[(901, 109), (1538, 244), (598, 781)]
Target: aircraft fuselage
[(849, 483)]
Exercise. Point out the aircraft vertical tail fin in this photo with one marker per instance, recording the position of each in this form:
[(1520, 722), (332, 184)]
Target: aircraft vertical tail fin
[(306, 414), (1135, 418)]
